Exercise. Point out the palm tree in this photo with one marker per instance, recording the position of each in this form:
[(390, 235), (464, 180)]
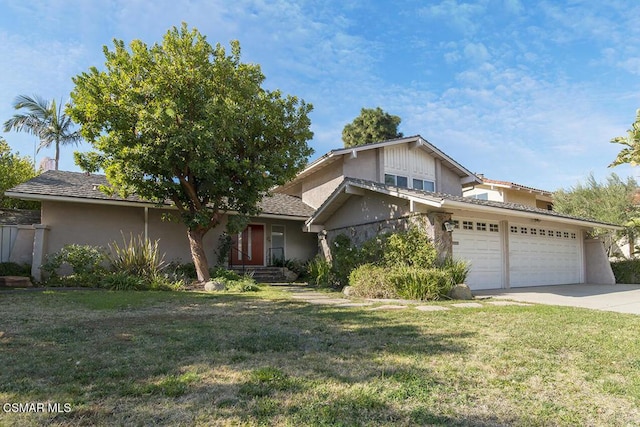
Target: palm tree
[(44, 119)]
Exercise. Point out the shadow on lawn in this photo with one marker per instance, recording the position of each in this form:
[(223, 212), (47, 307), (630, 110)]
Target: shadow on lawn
[(234, 358)]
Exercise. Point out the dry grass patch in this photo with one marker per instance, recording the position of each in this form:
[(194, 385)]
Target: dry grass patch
[(129, 358)]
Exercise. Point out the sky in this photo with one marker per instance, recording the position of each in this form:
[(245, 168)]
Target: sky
[(524, 91)]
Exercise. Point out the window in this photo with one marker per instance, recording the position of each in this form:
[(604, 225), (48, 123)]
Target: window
[(494, 228), (558, 234), (573, 235), (481, 196), (514, 229), (481, 226), (423, 184), (467, 225), (456, 224), (534, 231), (565, 235), (277, 244), (550, 233), (397, 180), (523, 230), (543, 232)]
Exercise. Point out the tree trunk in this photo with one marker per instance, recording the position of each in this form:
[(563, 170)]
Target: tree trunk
[(197, 253), (57, 154)]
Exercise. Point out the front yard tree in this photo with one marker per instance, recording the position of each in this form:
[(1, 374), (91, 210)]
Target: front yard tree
[(14, 169), (372, 125), (185, 122)]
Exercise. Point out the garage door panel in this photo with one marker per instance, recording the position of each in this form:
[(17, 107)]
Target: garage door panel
[(475, 243), (543, 257)]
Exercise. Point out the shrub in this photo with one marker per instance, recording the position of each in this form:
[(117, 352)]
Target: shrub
[(320, 272), (370, 281), (458, 270), (626, 271), (223, 273), (346, 257), (122, 281), (13, 269), (420, 283), (86, 263), (245, 284), (139, 257), (412, 248)]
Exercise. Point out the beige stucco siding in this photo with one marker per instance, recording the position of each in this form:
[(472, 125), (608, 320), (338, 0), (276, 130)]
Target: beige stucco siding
[(520, 197), (364, 209), (317, 187), (99, 225), (448, 182), (365, 166)]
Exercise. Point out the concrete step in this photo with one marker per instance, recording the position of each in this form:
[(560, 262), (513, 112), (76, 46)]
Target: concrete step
[(262, 274), (15, 282)]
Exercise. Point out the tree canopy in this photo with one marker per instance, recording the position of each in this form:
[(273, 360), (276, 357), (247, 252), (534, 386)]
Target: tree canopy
[(613, 201), (372, 125), (630, 154), (186, 122), (44, 119), (14, 170)]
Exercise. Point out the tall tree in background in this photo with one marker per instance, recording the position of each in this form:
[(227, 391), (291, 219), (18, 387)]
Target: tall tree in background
[(184, 121), (44, 119), (14, 170), (372, 125), (614, 202)]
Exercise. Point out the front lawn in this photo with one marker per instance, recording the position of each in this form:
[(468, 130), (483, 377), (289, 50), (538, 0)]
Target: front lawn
[(179, 358)]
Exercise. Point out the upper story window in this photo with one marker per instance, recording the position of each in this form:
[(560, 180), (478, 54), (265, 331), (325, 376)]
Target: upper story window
[(423, 184), (480, 196), (397, 180)]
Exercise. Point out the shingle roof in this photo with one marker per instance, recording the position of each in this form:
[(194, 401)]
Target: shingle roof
[(515, 186), (86, 187), (442, 199), (19, 217)]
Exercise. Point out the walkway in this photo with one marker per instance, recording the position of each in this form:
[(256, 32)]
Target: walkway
[(311, 296)]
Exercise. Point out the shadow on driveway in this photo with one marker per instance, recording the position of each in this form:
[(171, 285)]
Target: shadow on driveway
[(619, 298)]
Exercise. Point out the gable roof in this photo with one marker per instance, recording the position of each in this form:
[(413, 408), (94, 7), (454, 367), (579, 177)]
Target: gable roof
[(418, 140), (513, 186), (351, 186), (84, 188)]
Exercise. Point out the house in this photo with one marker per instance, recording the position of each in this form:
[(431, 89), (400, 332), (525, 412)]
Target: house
[(509, 192), (359, 191)]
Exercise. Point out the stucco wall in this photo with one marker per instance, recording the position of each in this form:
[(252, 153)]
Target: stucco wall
[(598, 268), (367, 208), (317, 187), (99, 225), (528, 199), (449, 182), (365, 166)]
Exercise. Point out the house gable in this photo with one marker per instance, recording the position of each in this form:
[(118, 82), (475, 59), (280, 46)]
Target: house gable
[(410, 162), (509, 192)]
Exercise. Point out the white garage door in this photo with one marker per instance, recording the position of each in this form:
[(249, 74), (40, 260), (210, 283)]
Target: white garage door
[(479, 243), (543, 256)]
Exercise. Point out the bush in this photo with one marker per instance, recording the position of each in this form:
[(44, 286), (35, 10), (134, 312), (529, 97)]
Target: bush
[(13, 269), (122, 281), (320, 272), (223, 273), (370, 281), (458, 270), (626, 271), (411, 248), (420, 283), (139, 257), (86, 263)]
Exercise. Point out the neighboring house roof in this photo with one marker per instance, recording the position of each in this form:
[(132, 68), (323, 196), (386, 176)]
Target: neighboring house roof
[(514, 186), (351, 186), (19, 217), (84, 188), (431, 149)]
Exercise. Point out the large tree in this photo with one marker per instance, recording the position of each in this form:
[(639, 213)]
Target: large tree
[(185, 122), (372, 125), (44, 119), (14, 169), (613, 201)]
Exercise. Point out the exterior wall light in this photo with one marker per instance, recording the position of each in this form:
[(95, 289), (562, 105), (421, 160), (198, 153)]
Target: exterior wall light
[(449, 226)]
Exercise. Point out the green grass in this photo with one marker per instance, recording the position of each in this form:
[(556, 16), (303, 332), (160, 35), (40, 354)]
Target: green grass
[(179, 358)]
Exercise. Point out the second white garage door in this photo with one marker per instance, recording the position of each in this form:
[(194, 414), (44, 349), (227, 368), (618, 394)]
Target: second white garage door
[(543, 256)]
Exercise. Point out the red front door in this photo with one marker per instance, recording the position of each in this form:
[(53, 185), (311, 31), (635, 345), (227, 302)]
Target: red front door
[(248, 247)]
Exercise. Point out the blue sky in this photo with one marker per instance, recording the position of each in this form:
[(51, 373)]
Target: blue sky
[(522, 91)]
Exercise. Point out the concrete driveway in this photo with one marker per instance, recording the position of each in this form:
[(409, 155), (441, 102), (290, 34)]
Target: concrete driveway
[(619, 298)]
